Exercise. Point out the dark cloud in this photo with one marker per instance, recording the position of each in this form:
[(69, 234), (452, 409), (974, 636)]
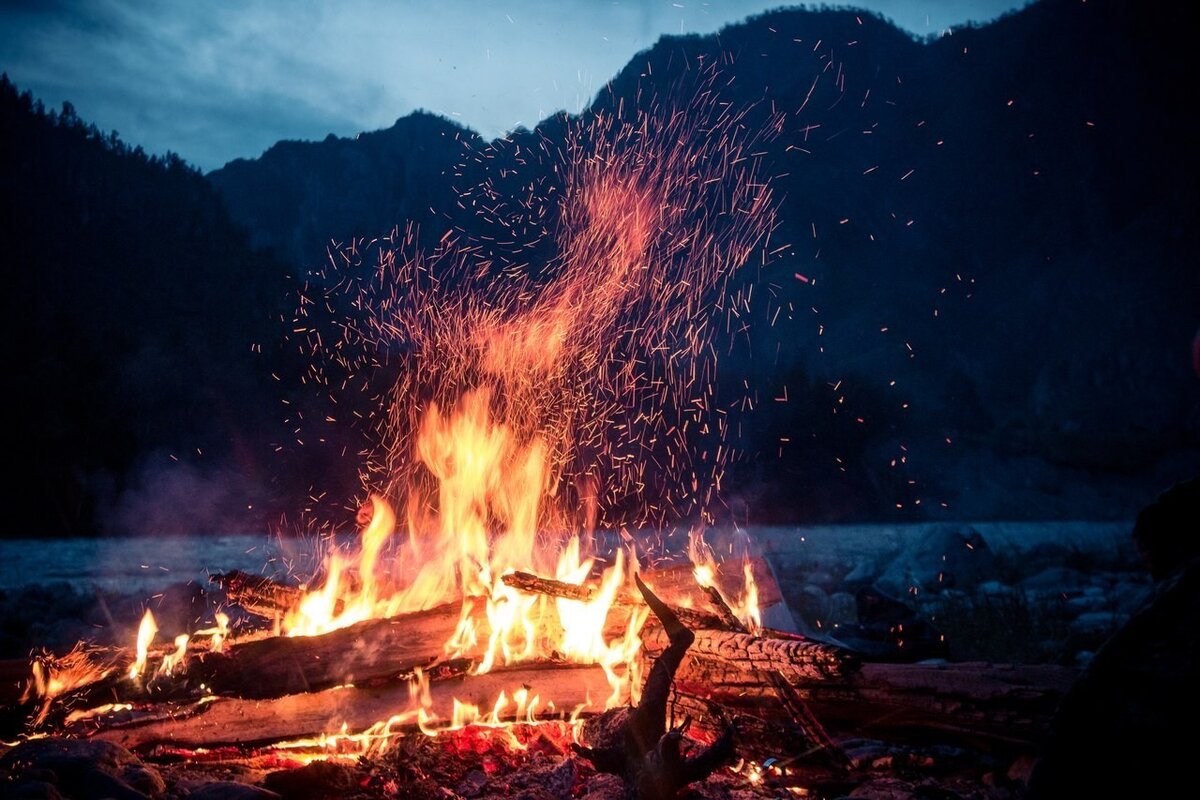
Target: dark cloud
[(218, 80)]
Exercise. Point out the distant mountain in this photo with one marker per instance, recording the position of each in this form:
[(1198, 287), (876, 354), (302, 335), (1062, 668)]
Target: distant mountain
[(997, 220), (299, 196)]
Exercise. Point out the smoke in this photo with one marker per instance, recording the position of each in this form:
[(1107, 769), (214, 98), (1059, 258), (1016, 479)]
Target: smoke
[(164, 497)]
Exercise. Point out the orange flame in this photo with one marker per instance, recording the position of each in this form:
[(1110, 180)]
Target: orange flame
[(145, 636), (704, 567)]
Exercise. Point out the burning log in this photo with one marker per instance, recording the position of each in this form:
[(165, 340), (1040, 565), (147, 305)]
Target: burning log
[(810, 727), (256, 594), (239, 721), (268, 598), (271, 667), (280, 665), (535, 584), (997, 707), (798, 659), (719, 635), (372, 650)]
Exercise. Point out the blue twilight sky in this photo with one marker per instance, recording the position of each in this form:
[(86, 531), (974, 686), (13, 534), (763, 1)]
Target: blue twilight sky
[(217, 79)]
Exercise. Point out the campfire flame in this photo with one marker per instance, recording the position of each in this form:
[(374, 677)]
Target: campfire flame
[(704, 567), (172, 660), (145, 635), (218, 633)]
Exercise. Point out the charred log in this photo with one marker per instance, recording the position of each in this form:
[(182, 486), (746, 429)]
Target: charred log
[(810, 728), (535, 584), (1000, 707), (796, 658), (256, 594), (641, 749)]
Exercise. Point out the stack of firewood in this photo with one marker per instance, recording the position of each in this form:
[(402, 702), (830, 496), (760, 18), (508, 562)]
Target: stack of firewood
[(779, 690)]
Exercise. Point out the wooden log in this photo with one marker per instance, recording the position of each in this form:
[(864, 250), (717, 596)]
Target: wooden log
[(759, 736), (372, 650), (535, 584), (798, 659), (810, 728), (238, 721), (676, 582), (378, 649), (995, 706), (256, 594), (281, 665), (985, 704), (268, 598)]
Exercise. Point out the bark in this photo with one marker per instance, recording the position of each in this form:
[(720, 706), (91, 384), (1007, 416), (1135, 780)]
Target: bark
[(992, 706), (796, 658), (534, 584), (246, 722), (258, 595), (373, 650), (810, 728)]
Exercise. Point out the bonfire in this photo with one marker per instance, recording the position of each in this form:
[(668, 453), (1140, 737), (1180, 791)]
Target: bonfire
[(511, 549)]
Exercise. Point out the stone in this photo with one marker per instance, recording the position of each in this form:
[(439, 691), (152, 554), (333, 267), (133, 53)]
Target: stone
[(32, 790), (1096, 623), (951, 557), (315, 781), (889, 630), (145, 778), (811, 605), (53, 753), (995, 589), (84, 769), (97, 784), (228, 790), (842, 608), (1085, 603)]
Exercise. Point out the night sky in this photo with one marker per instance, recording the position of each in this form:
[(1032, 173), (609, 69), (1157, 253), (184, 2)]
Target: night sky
[(216, 81)]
